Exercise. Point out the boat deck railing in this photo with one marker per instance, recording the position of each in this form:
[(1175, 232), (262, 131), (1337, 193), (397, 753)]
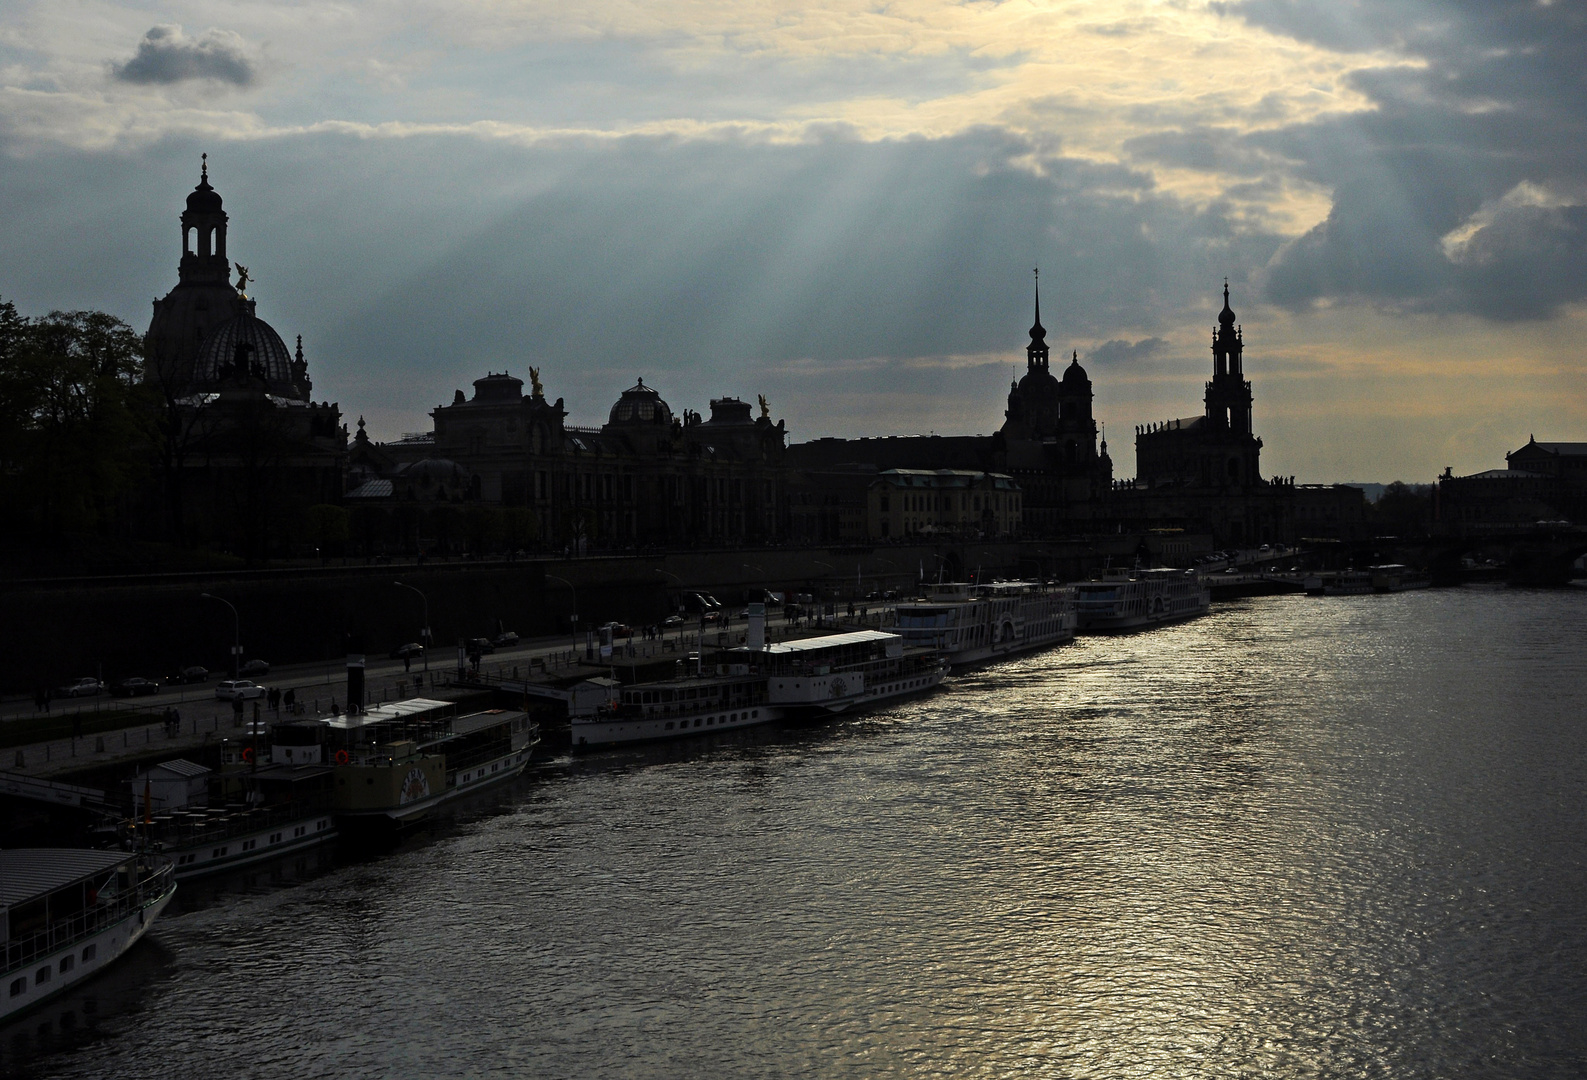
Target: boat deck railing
[(190, 828), (22, 951)]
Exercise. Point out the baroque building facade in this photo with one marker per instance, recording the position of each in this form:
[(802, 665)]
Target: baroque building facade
[(1049, 442), (647, 477), (1203, 473), (243, 451)]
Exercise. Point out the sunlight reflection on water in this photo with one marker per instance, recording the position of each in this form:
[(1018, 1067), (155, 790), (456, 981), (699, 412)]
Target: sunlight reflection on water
[(1338, 837)]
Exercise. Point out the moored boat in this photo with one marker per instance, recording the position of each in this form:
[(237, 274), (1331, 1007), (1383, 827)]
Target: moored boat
[(971, 624), (819, 676), (271, 798), (66, 914), (393, 764), (1129, 599), (673, 708), (1397, 577), (1348, 583)]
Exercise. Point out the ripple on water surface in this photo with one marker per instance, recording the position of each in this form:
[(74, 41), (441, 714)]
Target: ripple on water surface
[(1338, 837)]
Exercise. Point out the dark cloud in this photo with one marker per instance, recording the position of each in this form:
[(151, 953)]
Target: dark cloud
[(166, 55), (413, 265), (1119, 351), (1497, 105)]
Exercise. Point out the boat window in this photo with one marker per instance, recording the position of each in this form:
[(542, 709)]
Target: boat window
[(669, 725), (41, 976), (67, 963), (89, 952), (18, 985), (696, 721), (709, 720)]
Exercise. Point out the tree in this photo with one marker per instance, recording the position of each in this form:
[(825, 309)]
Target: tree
[(1404, 509), (69, 440), (327, 527)]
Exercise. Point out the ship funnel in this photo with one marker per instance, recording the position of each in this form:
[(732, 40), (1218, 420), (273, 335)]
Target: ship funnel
[(757, 627)]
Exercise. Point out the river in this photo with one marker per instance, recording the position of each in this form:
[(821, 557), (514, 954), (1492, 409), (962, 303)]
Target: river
[(1333, 837)]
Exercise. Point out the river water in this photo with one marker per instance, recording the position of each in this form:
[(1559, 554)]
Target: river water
[(1339, 837)]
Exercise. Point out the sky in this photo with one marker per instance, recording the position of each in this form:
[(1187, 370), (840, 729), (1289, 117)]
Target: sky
[(839, 203)]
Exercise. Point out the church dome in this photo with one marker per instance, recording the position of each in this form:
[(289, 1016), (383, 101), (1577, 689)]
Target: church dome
[(1226, 316), (1038, 384), (641, 404), (434, 471), (1074, 374), (204, 199), (252, 343)]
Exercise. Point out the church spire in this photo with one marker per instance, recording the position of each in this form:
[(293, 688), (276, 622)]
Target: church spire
[(1036, 351)]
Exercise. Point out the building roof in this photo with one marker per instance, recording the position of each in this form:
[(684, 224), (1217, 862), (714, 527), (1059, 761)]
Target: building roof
[(828, 641), (26, 873), (941, 478), (372, 489), (180, 767), (1564, 449), (394, 710), (1504, 474)]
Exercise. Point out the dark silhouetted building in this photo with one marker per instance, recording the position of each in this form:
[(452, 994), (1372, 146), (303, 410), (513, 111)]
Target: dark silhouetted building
[(243, 451), (645, 477), (1203, 473)]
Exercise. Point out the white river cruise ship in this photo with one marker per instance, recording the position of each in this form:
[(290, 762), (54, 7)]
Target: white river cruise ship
[(674, 708), (973, 624), (66, 913), (818, 676), (1128, 599)]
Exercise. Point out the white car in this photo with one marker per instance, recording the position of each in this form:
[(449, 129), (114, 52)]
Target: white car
[(238, 690), (81, 688)]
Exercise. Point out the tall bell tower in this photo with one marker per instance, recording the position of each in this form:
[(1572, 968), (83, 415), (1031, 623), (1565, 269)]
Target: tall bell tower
[(204, 234), (203, 297), (1228, 394)]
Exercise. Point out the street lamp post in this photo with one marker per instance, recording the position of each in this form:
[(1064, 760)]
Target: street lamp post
[(236, 634), (424, 631), (574, 619)]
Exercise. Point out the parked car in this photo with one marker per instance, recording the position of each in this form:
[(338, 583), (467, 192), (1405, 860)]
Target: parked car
[(254, 667), (238, 690), (193, 674), (134, 687), (505, 639), (480, 645), (618, 629), (412, 650), (84, 687), (672, 620)]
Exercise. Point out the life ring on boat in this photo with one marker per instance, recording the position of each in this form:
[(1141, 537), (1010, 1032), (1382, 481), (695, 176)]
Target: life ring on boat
[(342, 757), (247, 754)]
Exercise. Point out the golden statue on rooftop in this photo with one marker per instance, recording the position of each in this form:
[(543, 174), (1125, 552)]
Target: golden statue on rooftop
[(242, 280), (534, 382), (765, 407)]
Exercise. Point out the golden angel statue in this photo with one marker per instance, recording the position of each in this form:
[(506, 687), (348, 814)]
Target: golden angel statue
[(242, 280), (534, 382), (765, 407)]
